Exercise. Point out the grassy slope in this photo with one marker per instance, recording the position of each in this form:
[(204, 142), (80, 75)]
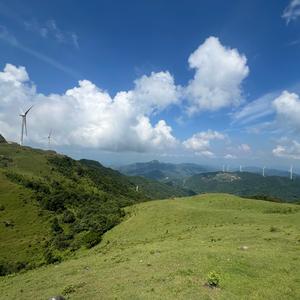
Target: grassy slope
[(25, 241), (165, 249), (20, 242)]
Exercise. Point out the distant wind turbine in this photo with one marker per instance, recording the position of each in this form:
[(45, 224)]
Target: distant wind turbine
[(24, 124), (263, 171), (49, 138), (291, 172), (241, 169), (223, 168)]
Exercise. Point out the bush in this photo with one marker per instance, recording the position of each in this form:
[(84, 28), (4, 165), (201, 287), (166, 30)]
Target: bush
[(55, 227), (91, 239), (50, 258), (213, 279), (68, 217)]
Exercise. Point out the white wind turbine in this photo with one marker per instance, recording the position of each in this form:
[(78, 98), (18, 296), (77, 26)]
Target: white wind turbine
[(263, 172), (241, 168), (49, 138), (24, 124), (291, 172)]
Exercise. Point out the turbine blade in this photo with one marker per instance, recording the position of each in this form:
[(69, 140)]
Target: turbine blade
[(27, 111)]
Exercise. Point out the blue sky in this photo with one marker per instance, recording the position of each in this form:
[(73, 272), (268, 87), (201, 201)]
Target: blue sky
[(202, 81)]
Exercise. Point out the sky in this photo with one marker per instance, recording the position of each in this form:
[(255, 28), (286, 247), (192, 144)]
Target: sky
[(209, 82)]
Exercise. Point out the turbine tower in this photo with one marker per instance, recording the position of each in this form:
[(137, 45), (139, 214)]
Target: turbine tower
[(49, 138), (241, 169), (291, 172), (263, 172), (24, 124), (223, 168)]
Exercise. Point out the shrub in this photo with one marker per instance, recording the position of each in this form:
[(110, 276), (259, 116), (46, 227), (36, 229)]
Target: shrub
[(91, 239), (50, 258), (55, 227), (68, 217), (213, 279)]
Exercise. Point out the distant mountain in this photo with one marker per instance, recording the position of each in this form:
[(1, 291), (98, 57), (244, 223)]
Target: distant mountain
[(149, 188), (269, 172), (245, 184), (164, 171)]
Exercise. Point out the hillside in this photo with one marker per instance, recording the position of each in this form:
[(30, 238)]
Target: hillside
[(52, 205), (245, 184), (166, 249), (163, 171)]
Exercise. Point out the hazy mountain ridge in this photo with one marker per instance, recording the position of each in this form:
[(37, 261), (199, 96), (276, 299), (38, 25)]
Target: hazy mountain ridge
[(164, 171), (246, 184)]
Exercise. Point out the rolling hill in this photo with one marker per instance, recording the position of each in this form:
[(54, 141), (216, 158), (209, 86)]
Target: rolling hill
[(167, 249), (246, 184), (52, 206)]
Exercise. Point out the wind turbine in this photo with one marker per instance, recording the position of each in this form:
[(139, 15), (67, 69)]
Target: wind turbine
[(24, 124), (241, 169), (223, 168), (49, 138), (291, 172), (263, 171)]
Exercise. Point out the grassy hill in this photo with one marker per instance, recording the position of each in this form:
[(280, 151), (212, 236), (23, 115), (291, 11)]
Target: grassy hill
[(166, 249), (245, 184), (52, 205)]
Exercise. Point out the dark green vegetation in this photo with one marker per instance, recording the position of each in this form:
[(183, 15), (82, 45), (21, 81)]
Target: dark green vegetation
[(2, 140), (52, 205), (213, 246), (247, 185), (164, 171)]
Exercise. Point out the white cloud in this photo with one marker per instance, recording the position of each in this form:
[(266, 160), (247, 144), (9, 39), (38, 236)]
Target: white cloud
[(287, 107), (10, 39), (200, 142), (219, 74), (87, 115), (230, 156), (255, 110), (50, 29), (292, 11), (291, 150), (244, 148)]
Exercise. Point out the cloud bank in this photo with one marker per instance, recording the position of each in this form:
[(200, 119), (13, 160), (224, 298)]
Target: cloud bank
[(88, 116)]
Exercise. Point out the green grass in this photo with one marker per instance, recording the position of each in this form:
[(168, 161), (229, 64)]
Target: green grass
[(20, 242), (40, 187), (166, 249)]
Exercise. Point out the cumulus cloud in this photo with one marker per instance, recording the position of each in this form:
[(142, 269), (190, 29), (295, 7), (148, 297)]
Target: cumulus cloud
[(292, 11), (87, 115), (291, 150), (287, 107), (219, 72), (200, 142)]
